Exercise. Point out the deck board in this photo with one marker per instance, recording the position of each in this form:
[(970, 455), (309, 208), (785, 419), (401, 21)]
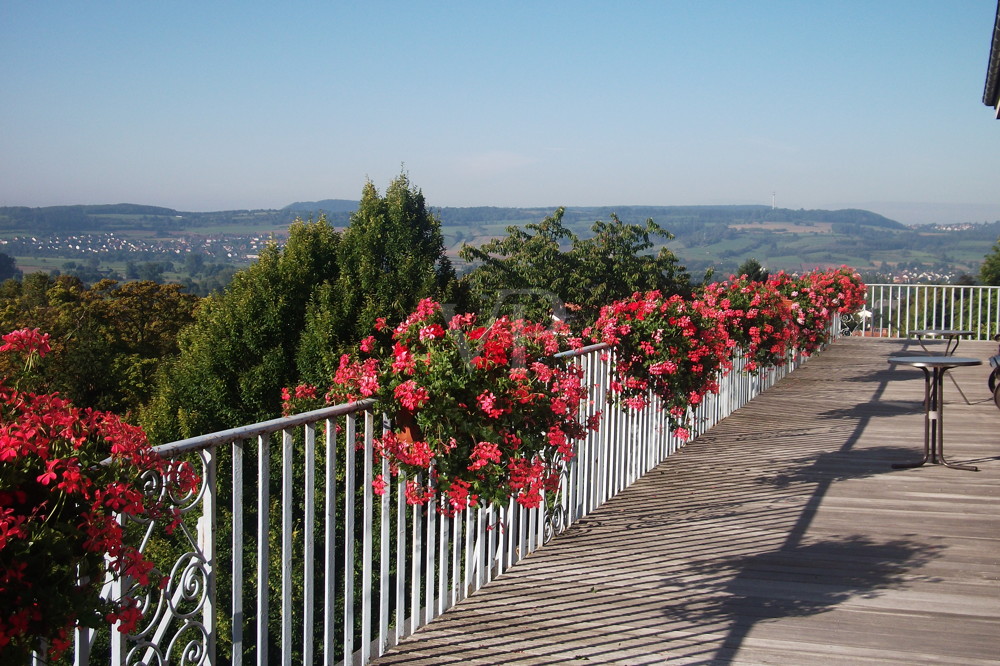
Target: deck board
[(781, 536)]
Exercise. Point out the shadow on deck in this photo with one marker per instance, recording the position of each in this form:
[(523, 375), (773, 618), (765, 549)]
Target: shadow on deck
[(782, 536)]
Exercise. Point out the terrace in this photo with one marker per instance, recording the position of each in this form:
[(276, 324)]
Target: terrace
[(779, 534)]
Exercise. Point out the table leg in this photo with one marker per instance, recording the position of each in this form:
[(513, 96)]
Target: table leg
[(927, 424), (938, 450), (934, 423), (920, 341)]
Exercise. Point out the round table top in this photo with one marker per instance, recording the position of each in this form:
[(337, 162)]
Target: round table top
[(943, 332), (935, 361)]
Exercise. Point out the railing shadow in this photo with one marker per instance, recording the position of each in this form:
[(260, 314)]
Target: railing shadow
[(741, 591), (696, 556), (823, 471)]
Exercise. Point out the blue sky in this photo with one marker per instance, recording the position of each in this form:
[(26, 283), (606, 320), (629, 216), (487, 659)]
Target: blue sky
[(224, 105)]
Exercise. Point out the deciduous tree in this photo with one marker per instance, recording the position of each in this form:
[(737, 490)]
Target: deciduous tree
[(534, 269), (616, 262), (107, 340), (519, 274), (989, 272)]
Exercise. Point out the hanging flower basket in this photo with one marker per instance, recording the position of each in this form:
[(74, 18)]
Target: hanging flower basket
[(406, 427)]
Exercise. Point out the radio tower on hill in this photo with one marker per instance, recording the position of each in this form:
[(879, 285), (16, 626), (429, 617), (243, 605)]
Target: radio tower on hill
[(772, 200)]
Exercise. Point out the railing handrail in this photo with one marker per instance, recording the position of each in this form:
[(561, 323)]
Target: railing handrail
[(262, 428)]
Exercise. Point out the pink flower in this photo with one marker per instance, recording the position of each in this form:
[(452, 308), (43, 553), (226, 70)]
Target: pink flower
[(410, 395), (483, 453), (432, 332), (26, 340), (488, 403), (403, 362), (305, 391)]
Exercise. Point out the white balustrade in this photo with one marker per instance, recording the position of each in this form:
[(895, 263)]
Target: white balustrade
[(324, 568), (893, 310)]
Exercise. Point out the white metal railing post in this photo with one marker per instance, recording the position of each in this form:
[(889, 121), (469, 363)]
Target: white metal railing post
[(366, 543), (330, 545), (349, 486), (308, 546), (237, 562), (207, 529), (263, 552), (287, 502)]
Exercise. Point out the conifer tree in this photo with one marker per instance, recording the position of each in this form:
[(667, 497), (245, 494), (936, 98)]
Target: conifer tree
[(242, 348), (390, 256)]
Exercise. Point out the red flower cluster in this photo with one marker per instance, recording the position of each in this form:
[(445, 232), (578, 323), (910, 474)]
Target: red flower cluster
[(26, 340), (675, 349), (816, 297), (758, 317), (66, 474), (665, 346), (496, 412)]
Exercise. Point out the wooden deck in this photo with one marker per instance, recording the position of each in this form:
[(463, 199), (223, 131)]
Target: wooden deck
[(783, 536)]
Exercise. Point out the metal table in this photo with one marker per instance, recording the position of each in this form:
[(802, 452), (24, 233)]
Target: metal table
[(952, 336), (934, 368)]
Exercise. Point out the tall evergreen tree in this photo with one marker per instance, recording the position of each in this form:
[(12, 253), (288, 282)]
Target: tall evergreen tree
[(242, 348), (753, 270), (390, 256)]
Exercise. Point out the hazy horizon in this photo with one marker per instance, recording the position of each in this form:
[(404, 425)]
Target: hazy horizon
[(908, 213)]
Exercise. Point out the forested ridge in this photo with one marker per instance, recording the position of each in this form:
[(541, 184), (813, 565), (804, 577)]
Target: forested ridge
[(704, 237), (111, 217)]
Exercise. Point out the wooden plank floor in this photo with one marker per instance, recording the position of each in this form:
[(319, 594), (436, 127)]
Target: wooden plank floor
[(782, 536)]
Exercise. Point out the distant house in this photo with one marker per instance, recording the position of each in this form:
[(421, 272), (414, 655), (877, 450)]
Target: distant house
[(991, 95)]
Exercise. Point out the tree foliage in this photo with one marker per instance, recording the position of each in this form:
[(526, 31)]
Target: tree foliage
[(242, 347), (390, 256), (8, 268), (753, 270), (519, 273), (289, 316), (534, 269), (989, 272), (616, 262), (107, 340)]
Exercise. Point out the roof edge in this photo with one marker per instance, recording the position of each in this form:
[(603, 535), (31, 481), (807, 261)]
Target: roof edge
[(991, 93)]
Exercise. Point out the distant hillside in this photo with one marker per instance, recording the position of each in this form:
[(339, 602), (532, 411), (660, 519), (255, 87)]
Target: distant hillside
[(665, 216), (134, 219), (77, 219), (718, 237), (326, 205)]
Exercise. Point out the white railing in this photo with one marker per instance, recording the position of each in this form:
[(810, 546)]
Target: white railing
[(894, 310), (325, 568)]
